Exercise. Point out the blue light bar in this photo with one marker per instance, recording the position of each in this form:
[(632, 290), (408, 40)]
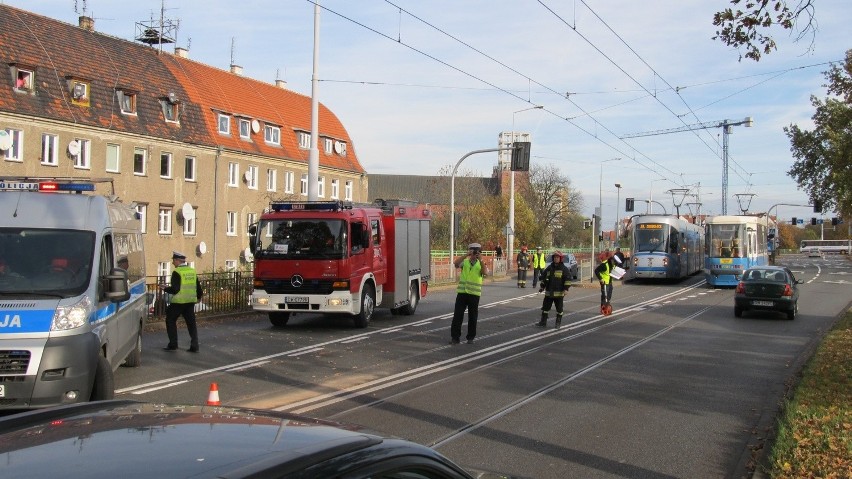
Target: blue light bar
[(54, 186), (307, 206)]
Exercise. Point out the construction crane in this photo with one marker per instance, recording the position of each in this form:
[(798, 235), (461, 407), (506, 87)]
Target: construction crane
[(727, 127)]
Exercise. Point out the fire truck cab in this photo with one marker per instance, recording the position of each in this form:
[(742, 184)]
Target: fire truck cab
[(336, 257)]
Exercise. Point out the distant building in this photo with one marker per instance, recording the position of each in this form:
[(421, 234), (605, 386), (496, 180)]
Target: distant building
[(200, 151)]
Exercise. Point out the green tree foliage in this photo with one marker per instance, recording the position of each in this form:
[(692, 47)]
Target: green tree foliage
[(747, 25), (823, 165)]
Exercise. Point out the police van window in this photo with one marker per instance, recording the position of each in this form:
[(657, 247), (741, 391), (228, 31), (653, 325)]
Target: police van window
[(374, 226), (106, 263)]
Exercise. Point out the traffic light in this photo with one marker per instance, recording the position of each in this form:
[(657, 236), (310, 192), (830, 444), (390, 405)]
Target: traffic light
[(600, 237), (795, 221), (628, 204), (813, 221), (817, 208), (587, 224), (521, 156)]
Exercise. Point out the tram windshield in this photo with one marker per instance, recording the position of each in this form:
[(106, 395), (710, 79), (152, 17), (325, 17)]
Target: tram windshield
[(656, 237), (723, 241)]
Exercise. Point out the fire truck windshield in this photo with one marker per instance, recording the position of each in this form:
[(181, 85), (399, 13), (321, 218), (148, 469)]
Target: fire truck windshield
[(302, 238)]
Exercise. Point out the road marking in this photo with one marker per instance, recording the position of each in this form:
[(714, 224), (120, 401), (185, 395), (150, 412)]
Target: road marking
[(304, 352), (247, 366), (164, 386)]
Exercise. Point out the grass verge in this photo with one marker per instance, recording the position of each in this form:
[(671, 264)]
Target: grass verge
[(814, 437)]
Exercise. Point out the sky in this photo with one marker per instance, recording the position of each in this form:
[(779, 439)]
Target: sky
[(419, 84)]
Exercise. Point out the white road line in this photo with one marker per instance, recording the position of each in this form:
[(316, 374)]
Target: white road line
[(247, 366), (164, 386)]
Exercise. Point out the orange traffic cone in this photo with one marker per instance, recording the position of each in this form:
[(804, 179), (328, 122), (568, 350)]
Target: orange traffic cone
[(213, 396)]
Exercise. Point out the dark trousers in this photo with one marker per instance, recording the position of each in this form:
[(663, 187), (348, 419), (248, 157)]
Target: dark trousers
[(471, 303), (549, 301), (536, 275), (187, 310), (522, 276), (606, 293)]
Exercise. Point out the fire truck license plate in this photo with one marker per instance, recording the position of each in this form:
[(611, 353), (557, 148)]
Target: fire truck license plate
[(296, 299)]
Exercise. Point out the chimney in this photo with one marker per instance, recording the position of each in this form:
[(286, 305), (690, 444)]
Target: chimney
[(237, 70), (87, 23), (282, 84), (181, 52)]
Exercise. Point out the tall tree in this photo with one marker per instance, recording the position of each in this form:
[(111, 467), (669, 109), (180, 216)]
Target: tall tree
[(551, 198), (749, 28), (824, 155)]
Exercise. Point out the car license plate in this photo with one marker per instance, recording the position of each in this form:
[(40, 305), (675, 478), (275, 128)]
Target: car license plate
[(762, 303), (2, 391), (296, 299)]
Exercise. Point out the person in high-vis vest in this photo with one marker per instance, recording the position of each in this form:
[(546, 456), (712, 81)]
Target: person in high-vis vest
[(604, 274), (555, 281), (539, 262), (185, 291), (468, 292)]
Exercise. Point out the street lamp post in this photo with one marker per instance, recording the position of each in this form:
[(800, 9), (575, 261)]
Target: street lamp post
[(617, 210), (600, 198), (651, 195), (511, 230)]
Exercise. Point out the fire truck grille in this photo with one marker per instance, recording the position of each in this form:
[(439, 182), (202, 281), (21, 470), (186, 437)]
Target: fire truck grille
[(285, 286)]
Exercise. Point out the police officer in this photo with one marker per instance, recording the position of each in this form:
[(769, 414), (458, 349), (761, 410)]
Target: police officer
[(185, 292), (604, 274), (539, 261), (468, 292), (555, 281), (523, 263)]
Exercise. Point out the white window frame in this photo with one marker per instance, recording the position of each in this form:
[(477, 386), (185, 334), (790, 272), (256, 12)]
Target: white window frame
[(166, 161), (347, 190), (24, 79), (272, 134), (223, 123), (164, 269), (335, 189), (49, 149), (245, 128), (303, 185), (142, 212), (116, 167), (342, 148), (289, 182), (233, 174), (171, 111), (304, 140), (321, 187), (271, 179), (251, 218), (190, 168), (329, 146), (144, 152), (230, 264), (79, 91), (253, 172), (16, 151), (126, 102), (83, 160), (164, 220), (189, 223), (231, 223)]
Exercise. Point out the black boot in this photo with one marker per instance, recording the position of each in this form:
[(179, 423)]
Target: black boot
[(543, 322), (558, 320)]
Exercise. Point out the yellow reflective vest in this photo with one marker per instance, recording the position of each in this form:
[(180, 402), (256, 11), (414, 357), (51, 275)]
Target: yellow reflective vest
[(539, 260), (470, 279), (188, 292)]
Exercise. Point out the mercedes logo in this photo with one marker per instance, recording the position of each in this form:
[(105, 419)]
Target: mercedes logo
[(297, 281)]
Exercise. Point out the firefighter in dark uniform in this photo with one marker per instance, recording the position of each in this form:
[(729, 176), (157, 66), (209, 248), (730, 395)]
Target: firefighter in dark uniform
[(186, 292), (523, 263), (555, 281)]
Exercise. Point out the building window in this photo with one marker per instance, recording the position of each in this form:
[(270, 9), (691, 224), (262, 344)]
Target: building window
[(245, 128), (231, 264), (139, 157), (49, 150), (272, 135), (24, 80), (304, 140), (189, 168), (164, 223), (271, 179), (16, 151), (289, 182), (231, 224), (251, 181), (113, 155), (347, 191), (224, 124), (127, 102), (189, 223), (142, 213), (329, 146), (83, 159), (233, 174), (335, 189), (164, 270), (251, 219), (171, 110), (165, 165), (79, 92), (303, 186), (341, 148), (321, 187)]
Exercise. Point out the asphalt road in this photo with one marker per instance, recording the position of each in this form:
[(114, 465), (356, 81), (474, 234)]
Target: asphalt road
[(671, 385)]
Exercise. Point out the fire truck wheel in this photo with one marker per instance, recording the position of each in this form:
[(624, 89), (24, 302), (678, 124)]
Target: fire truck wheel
[(368, 304), (279, 320), (413, 299)]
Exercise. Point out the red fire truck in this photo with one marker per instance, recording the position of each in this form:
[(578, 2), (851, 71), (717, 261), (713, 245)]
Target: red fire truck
[(336, 257)]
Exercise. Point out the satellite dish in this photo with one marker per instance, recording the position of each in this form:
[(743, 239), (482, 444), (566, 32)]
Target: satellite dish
[(338, 147), (188, 211), (74, 147), (5, 140), (247, 175), (255, 126), (247, 254), (202, 247)]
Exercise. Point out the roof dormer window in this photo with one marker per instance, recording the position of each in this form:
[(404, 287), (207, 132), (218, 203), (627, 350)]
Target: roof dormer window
[(171, 108), (24, 79), (329, 145), (79, 91), (272, 134), (126, 101), (245, 128), (224, 122), (304, 140)]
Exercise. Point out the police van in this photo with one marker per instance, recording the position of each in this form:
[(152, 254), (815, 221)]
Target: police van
[(72, 291)]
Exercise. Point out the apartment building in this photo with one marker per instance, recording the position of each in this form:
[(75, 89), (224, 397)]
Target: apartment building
[(200, 151)]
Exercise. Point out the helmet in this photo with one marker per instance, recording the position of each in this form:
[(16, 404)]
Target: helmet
[(523, 248), (602, 257), (558, 254)]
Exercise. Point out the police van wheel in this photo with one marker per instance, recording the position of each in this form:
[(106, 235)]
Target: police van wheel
[(104, 386), (134, 359), (368, 305), (413, 299), (279, 320)]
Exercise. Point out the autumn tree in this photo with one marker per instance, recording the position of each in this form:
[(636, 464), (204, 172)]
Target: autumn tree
[(747, 26), (823, 166), (552, 200)]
